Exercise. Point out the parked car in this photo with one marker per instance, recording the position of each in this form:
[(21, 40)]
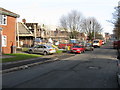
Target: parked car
[(118, 64), (89, 47), (97, 43), (116, 44), (43, 49), (77, 49)]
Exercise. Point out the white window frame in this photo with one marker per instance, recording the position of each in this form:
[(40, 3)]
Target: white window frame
[(4, 41), (3, 19)]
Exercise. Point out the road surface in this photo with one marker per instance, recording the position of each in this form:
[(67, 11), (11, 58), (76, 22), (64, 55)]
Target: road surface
[(92, 69)]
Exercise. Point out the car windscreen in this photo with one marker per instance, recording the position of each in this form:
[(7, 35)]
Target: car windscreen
[(96, 42), (77, 46), (88, 44)]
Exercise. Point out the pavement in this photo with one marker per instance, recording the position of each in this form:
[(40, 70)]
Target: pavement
[(24, 64)]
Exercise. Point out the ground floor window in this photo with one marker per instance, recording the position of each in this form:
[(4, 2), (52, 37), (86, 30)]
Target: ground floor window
[(4, 40)]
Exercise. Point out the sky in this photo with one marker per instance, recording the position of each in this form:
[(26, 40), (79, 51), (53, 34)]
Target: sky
[(49, 12)]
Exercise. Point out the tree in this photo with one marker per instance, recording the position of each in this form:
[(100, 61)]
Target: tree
[(91, 27), (116, 22), (72, 22)]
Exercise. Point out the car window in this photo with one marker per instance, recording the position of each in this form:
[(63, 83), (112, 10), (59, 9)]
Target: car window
[(37, 46), (40, 46), (49, 46), (77, 46), (96, 42), (44, 46)]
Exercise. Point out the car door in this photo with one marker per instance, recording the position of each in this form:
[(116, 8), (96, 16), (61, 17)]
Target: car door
[(36, 49), (83, 48), (40, 49)]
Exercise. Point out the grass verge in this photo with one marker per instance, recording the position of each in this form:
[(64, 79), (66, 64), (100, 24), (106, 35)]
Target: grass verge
[(59, 51), (19, 56)]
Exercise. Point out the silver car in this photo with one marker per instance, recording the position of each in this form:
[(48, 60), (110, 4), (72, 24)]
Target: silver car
[(43, 49), (89, 46)]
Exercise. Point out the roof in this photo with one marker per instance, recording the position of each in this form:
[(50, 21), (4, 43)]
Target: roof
[(30, 26), (23, 30), (9, 13)]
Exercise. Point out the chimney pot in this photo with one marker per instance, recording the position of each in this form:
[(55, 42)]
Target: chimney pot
[(24, 20)]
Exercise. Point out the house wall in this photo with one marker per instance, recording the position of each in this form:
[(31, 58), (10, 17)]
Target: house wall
[(26, 41), (10, 31)]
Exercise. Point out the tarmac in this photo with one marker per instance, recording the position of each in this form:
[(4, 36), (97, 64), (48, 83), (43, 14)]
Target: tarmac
[(24, 64)]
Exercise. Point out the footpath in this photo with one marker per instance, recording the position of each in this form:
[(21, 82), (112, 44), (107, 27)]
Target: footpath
[(24, 64)]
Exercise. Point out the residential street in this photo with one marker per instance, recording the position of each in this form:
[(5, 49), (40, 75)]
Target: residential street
[(92, 69)]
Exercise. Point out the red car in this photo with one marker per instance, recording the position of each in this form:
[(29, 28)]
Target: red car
[(77, 49)]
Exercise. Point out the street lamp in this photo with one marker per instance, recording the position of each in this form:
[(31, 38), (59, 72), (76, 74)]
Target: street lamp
[(93, 30)]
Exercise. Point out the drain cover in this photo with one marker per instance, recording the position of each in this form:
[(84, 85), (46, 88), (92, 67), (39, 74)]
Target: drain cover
[(93, 67)]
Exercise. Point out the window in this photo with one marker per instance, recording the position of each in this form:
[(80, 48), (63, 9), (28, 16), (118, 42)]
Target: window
[(4, 41), (44, 47), (3, 19)]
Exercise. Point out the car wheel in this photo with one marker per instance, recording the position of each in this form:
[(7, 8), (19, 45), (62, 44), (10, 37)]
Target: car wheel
[(30, 51), (45, 53)]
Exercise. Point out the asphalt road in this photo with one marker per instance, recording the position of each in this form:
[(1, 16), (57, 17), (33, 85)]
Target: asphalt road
[(92, 69)]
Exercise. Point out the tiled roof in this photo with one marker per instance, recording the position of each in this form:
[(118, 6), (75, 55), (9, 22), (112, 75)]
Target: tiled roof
[(23, 30), (9, 13)]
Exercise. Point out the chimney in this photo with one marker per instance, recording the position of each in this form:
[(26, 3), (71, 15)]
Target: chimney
[(24, 20)]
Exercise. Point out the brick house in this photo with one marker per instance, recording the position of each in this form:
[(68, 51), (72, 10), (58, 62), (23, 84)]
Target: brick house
[(8, 34), (27, 33)]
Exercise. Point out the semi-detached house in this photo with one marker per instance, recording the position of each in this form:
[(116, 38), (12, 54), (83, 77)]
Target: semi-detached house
[(8, 21)]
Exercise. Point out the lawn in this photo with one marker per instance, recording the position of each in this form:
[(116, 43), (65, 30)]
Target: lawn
[(23, 56), (19, 56)]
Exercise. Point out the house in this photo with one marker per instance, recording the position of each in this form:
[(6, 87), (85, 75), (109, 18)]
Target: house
[(24, 36), (27, 33), (55, 33), (8, 34)]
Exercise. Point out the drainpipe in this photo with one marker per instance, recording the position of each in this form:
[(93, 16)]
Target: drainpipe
[(18, 40), (35, 29), (1, 56), (1, 41)]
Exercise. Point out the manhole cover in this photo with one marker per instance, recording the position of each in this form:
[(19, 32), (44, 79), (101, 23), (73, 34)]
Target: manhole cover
[(94, 67)]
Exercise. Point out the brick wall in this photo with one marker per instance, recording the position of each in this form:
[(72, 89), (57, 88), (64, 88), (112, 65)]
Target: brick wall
[(10, 31)]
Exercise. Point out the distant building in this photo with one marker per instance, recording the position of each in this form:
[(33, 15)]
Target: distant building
[(8, 23), (107, 36), (27, 33)]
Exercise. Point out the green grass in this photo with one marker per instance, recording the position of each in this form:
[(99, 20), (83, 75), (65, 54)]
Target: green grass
[(19, 56), (59, 51), (25, 49)]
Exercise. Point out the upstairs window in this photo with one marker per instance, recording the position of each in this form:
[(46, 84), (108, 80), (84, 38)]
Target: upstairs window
[(3, 19)]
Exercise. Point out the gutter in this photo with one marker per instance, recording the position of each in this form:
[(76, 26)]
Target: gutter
[(9, 13)]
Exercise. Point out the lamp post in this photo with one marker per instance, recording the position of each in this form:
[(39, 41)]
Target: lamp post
[(94, 32), (92, 28)]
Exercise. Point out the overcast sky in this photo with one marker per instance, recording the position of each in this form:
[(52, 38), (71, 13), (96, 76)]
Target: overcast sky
[(50, 11)]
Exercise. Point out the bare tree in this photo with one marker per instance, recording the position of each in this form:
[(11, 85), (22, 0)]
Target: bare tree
[(91, 27), (72, 23), (116, 22)]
